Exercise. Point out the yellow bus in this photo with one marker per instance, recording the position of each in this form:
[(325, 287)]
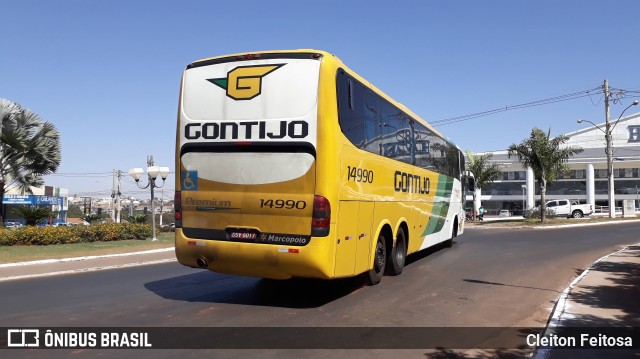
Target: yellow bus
[(292, 165)]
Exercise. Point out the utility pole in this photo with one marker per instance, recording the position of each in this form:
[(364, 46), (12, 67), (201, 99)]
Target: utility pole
[(118, 198), (607, 133), (113, 195)]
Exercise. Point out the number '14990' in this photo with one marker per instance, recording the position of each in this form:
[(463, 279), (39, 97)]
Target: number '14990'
[(359, 175), (281, 203)]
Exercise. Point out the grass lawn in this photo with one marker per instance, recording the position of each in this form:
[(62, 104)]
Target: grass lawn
[(535, 222), (12, 254)]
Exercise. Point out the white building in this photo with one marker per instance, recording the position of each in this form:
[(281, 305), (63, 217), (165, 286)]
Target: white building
[(587, 180)]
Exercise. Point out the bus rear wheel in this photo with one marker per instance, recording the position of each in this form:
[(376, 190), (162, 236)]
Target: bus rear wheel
[(379, 261), (398, 254)]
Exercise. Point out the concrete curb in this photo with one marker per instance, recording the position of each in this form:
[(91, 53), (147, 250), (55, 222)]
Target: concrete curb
[(74, 259), (555, 320), (84, 270)]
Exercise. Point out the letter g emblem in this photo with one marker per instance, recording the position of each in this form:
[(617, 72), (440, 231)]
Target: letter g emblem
[(245, 82)]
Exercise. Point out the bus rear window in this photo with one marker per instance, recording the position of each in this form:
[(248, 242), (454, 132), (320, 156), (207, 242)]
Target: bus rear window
[(248, 168)]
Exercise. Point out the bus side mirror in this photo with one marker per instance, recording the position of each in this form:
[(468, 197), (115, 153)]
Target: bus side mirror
[(471, 184)]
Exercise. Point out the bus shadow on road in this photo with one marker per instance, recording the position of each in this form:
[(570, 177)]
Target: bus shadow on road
[(209, 287), (415, 257)]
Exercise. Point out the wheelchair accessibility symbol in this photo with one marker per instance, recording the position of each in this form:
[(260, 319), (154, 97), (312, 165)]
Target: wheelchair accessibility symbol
[(189, 180)]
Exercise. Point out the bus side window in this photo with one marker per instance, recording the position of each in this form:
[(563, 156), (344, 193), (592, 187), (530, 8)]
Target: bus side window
[(350, 114), (395, 133), (350, 93), (371, 107)]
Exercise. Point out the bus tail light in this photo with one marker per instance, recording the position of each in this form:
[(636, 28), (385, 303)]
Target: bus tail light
[(321, 217), (177, 205)]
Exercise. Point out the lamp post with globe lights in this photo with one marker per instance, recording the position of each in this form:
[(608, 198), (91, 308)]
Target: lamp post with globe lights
[(608, 130), (152, 174)]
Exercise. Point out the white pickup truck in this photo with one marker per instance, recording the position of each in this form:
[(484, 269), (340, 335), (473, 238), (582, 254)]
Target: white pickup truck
[(564, 208)]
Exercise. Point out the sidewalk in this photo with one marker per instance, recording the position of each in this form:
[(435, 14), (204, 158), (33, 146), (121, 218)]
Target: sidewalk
[(605, 296)]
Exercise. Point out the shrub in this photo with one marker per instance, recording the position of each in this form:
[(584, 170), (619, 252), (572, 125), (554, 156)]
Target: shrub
[(165, 229), (535, 213), (60, 235)]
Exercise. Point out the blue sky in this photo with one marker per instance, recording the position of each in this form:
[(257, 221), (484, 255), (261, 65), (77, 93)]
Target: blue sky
[(107, 73)]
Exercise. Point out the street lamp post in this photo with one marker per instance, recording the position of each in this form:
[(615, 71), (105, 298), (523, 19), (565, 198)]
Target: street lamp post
[(152, 175), (609, 151)]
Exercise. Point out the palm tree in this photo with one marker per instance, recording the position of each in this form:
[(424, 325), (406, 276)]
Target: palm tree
[(547, 158), (90, 218), (483, 171), (137, 218), (29, 149), (32, 214)]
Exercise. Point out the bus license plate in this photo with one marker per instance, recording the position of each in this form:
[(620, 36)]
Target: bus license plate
[(243, 235)]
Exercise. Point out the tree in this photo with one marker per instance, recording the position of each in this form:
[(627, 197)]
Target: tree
[(32, 214), (74, 211), (483, 171), (29, 149), (546, 156)]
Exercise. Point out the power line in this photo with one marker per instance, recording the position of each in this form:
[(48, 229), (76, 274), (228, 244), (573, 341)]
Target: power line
[(547, 101), (81, 175)]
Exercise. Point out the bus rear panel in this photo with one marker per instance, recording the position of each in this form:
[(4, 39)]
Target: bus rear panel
[(247, 167)]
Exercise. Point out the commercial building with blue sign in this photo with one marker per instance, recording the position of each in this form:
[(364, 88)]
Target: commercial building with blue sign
[(54, 198)]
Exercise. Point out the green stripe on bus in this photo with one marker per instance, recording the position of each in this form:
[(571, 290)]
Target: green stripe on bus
[(441, 206)]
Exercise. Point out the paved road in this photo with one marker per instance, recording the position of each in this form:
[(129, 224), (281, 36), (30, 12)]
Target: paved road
[(490, 278)]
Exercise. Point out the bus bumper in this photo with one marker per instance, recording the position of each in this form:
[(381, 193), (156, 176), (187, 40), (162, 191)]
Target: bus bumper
[(314, 260)]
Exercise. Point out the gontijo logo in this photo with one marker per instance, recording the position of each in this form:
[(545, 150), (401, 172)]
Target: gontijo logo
[(245, 82)]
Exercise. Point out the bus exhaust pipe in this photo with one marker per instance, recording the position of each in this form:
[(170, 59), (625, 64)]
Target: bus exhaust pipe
[(202, 262)]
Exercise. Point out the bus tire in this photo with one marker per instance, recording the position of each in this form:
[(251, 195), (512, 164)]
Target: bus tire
[(398, 254), (379, 261)]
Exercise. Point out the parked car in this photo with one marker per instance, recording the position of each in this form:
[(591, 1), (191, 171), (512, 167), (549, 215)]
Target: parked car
[(504, 213), (13, 224), (64, 224), (564, 208)]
